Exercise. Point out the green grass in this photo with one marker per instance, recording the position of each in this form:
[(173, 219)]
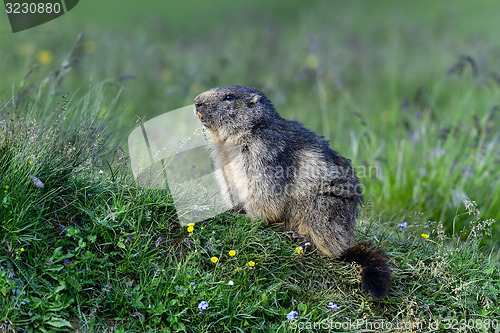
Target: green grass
[(412, 100)]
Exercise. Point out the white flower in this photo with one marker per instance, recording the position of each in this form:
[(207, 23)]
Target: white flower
[(292, 315), (203, 305), (37, 182), (333, 306)]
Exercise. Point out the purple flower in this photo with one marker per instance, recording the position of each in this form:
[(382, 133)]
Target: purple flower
[(333, 306), (185, 240), (67, 262), (192, 284), (292, 315), (403, 225), (203, 306), (158, 241), (38, 183), (112, 216), (138, 314)]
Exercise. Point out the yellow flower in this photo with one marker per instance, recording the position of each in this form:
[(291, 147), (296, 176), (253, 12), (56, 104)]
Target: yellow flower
[(166, 75), (29, 162), (251, 263), (214, 259), (6, 187), (102, 113), (22, 249), (299, 249), (89, 47), (232, 253), (312, 61), (425, 236), (238, 269), (190, 228), (44, 57)]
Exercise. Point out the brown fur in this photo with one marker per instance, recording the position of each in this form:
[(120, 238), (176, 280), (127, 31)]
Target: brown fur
[(281, 172)]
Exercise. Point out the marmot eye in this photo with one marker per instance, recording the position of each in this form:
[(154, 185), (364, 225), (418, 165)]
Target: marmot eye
[(228, 97)]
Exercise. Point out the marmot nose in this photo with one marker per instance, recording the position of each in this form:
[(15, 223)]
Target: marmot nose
[(198, 101)]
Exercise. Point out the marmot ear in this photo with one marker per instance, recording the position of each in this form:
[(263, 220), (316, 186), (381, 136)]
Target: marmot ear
[(252, 100)]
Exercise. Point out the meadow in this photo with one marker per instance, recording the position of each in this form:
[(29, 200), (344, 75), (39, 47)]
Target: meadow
[(410, 93)]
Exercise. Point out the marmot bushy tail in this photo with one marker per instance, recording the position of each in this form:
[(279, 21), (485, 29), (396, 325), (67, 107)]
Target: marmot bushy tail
[(281, 172), (376, 273)]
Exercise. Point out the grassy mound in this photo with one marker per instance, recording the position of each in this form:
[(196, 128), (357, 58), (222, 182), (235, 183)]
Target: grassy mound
[(409, 93), (83, 249)]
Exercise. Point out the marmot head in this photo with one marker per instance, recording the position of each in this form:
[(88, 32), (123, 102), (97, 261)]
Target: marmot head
[(234, 110)]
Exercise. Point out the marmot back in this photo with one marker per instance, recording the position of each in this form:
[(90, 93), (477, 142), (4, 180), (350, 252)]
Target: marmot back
[(281, 172)]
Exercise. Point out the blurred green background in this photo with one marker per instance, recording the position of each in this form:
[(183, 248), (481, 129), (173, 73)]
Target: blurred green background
[(410, 88)]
